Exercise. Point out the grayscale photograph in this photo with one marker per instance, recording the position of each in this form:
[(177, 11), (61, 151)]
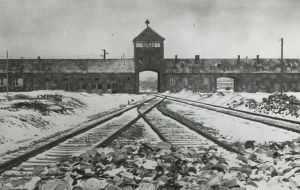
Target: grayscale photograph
[(149, 94)]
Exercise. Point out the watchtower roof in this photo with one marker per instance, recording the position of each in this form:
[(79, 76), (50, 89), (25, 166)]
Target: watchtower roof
[(148, 35)]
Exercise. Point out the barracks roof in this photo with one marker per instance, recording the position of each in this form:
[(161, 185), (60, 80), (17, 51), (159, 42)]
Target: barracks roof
[(231, 66), (68, 66), (128, 66)]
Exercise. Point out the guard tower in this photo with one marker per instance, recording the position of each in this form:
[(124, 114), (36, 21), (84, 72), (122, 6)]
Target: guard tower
[(149, 55)]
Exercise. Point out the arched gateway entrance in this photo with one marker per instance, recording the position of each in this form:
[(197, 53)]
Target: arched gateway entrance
[(148, 81)]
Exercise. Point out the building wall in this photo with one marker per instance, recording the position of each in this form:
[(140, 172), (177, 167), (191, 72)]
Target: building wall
[(91, 82), (243, 82), (121, 76)]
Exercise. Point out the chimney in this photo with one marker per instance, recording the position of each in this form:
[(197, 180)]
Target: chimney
[(238, 59), (257, 57), (176, 59), (197, 59)]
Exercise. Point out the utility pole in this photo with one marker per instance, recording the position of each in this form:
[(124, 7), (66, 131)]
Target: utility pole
[(7, 85), (281, 68), (104, 53)]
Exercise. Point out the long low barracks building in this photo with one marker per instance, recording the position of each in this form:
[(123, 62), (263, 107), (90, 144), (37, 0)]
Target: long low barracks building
[(122, 75)]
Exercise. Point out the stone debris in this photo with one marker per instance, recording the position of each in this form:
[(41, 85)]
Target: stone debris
[(276, 103), (144, 166)]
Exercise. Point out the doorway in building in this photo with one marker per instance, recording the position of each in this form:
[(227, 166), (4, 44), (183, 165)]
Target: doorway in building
[(225, 84), (148, 81), (66, 84), (47, 84)]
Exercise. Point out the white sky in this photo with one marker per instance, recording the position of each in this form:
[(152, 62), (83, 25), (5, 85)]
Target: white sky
[(211, 28), (144, 75)]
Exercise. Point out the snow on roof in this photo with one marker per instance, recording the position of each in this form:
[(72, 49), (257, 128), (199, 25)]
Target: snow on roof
[(230, 65), (127, 66), (68, 66)]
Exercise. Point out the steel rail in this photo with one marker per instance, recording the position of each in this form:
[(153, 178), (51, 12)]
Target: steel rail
[(143, 115), (109, 139), (205, 135), (197, 130), (238, 113), (25, 156)]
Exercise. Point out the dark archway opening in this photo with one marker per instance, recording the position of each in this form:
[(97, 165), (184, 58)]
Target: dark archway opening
[(225, 84), (148, 81)]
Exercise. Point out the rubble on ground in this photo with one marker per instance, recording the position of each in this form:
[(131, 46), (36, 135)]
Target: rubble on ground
[(144, 166), (280, 104), (277, 104)]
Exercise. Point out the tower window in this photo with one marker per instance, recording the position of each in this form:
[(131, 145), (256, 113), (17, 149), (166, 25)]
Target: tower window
[(156, 44), (147, 44), (139, 44)]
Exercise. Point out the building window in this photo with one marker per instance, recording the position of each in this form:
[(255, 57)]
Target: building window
[(20, 81), (99, 86), (3, 82), (15, 82), (182, 65), (108, 86), (156, 44), (83, 86), (185, 81), (141, 60), (96, 79), (172, 81)]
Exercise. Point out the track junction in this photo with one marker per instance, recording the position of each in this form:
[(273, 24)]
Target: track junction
[(229, 164)]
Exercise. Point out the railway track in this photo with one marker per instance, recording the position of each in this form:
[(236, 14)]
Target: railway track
[(282, 123), (103, 133), (156, 126), (74, 141), (180, 134)]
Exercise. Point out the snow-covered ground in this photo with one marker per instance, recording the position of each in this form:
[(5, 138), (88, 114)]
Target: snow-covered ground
[(228, 99), (21, 125), (234, 128)]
